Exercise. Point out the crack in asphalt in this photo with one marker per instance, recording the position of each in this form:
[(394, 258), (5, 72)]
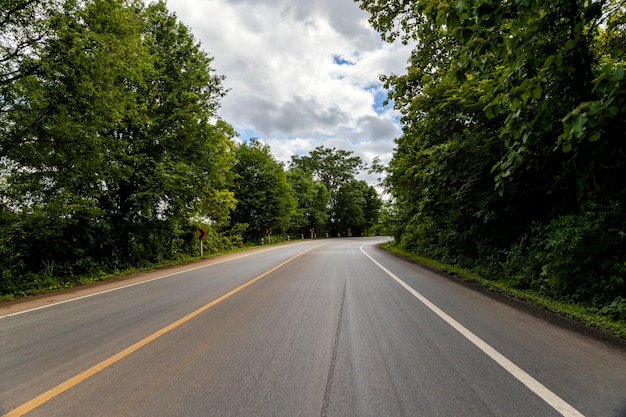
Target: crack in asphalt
[(333, 360)]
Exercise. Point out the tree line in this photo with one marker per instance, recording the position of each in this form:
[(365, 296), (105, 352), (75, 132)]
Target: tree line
[(112, 154), (512, 160)]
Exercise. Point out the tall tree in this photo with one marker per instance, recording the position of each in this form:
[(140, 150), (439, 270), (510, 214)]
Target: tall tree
[(110, 147), (172, 161), (54, 149), (531, 67)]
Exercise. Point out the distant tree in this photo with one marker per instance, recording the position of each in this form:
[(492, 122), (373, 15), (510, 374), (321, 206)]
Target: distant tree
[(264, 197), (357, 208), (312, 203), (331, 166), (372, 209), (387, 219)]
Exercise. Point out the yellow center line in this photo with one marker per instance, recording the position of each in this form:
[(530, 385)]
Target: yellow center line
[(72, 382)]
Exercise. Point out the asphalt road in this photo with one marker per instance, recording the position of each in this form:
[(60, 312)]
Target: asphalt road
[(317, 328)]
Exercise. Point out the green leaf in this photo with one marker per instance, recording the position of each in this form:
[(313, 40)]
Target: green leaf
[(595, 137), (516, 104), (566, 147), (454, 22), (579, 125), (618, 74)]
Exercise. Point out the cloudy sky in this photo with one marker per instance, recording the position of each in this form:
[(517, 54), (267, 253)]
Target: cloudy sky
[(301, 73)]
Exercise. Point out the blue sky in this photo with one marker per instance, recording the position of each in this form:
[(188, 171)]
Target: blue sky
[(339, 60), (301, 73)]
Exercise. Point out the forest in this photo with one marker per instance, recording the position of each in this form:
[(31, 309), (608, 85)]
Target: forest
[(112, 155), (512, 161)]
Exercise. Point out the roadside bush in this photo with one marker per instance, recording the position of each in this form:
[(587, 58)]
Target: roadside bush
[(616, 310), (579, 257)]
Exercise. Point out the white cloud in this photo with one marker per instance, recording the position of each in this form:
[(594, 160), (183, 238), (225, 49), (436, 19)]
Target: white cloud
[(301, 73)]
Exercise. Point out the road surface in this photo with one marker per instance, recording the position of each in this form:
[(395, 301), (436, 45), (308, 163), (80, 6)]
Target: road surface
[(333, 327)]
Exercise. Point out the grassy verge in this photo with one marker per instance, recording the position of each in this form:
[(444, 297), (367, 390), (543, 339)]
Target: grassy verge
[(579, 313), (49, 284)]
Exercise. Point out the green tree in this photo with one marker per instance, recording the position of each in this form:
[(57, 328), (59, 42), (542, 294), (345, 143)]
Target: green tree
[(357, 208), (333, 168), (531, 66), (312, 202), (54, 159), (371, 210), (109, 148), (171, 161), (264, 197), (387, 219)]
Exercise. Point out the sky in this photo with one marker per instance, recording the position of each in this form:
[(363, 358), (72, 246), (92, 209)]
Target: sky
[(300, 73)]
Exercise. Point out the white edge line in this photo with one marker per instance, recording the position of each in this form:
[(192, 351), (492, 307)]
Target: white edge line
[(17, 313), (556, 402)]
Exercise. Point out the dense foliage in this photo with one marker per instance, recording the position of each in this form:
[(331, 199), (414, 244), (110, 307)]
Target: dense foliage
[(513, 158)]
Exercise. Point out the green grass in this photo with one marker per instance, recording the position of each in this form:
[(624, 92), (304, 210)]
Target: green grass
[(582, 314)]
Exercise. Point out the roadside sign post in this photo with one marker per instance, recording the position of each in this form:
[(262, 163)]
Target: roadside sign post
[(201, 236)]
